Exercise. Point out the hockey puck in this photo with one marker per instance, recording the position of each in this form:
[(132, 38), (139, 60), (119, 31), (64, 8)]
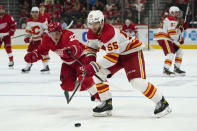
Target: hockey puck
[(77, 124)]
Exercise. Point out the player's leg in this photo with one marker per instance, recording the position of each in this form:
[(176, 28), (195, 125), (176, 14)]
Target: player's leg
[(8, 48), (44, 60), (169, 56), (67, 77), (30, 48), (45, 65), (178, 61), (134, 66)]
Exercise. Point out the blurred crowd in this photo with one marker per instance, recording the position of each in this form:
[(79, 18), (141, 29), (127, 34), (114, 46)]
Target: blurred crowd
[(65, 11)]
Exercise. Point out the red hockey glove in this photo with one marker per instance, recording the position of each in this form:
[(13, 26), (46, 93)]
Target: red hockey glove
[(69, 50), (91, 69), (31, 57), (89, 58), (181, 40), (27, 40)]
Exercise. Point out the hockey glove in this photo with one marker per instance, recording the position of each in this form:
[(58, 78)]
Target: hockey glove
[(91, 69), (181, 40), (27, 40), (31, 57)]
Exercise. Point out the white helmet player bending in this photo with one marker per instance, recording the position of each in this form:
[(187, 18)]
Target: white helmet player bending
[(174, 11), (95, 21)]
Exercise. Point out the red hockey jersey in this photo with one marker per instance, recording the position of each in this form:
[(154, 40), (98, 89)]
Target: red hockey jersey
[(7, 24), (67, 39)]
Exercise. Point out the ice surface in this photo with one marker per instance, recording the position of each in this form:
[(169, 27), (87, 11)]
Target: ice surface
[(35, 101)]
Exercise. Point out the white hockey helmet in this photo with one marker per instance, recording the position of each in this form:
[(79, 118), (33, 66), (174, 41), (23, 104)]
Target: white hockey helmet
[(173, 9), (35, 9), (95, 16), (127, 22)]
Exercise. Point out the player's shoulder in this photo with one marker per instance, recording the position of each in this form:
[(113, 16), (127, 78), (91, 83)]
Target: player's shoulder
[(66, 32), (46, 37), (30, 19), (41, 19), (171, 18), (108, 33), (91, 35), (7, 15)]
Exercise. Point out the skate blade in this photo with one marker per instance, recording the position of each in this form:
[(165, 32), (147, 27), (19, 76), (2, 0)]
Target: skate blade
[(103, 114), (178, 74), (26, 72), (11, 67), (164, 112), (171, 75), (45, 72)]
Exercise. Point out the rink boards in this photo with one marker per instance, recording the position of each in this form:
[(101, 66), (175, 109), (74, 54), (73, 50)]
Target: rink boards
[(190, 36)]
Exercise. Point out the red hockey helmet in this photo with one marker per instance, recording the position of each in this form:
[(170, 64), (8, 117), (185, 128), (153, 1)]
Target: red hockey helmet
[(54, 26), (2, 7)]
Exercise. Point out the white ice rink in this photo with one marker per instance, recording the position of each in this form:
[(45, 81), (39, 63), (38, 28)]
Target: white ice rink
[(35, 101)]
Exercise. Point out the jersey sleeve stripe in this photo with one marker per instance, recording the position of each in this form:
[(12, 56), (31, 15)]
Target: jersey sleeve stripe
[(112, 57)]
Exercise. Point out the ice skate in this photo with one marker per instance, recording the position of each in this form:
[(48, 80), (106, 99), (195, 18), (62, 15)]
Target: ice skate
[(104, 109), (167, 72), (178, 71), (45, 70), (11, 64), (162, 108), (92, 98), (26, 69)]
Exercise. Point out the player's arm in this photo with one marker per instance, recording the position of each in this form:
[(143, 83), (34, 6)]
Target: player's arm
[(40, 53), (73, 46), (12, 26), (28, 33), (91, 48)]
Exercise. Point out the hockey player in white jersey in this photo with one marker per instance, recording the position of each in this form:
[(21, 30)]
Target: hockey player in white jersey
[(36, 27), (168, 37), (122, 52)]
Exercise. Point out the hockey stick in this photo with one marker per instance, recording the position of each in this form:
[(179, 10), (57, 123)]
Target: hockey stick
[(187, 11), (18, 36), (70, 53), (77, 87), (69, 25)]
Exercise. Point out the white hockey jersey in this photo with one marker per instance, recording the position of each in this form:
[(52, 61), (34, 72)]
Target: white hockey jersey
[(168, 30), (115, 42), (36, 28)]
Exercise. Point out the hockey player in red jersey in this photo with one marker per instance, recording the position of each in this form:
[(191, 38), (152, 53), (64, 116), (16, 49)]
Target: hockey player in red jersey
[(36, 27), (129, 28), (7, 29), (121, 53), (169, 36), (60, 41), (44, 14)]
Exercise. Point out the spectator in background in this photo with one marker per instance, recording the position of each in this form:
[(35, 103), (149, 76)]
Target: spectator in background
[(79, 24), (77, 6), (63, 24), (99, 5), (58, 8), (44, 14), (85, 26), (69, 4)]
